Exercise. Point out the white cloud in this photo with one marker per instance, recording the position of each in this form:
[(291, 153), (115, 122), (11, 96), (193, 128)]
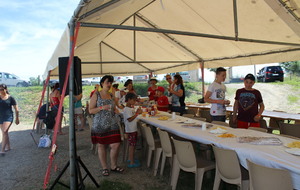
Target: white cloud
[(29, 33)]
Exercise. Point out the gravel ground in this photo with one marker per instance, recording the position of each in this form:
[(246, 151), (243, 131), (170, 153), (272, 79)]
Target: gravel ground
[(25, 165)]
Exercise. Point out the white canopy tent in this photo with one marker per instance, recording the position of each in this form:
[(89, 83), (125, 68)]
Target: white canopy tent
[(174, 35)]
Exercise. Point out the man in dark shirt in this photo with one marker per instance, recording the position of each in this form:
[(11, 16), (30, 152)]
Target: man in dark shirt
[(247, 101)]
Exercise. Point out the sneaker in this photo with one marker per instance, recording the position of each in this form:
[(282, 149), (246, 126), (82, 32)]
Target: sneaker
[(2, 153), (135, 165), (135, 161)]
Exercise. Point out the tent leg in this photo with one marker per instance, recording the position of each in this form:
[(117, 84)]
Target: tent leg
[(202, 77)]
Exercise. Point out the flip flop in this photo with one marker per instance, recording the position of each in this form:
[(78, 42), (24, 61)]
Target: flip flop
[(105, 172), (117, 170)]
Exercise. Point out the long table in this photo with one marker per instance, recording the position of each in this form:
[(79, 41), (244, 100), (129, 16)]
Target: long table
[(266, 155), (266, 113)]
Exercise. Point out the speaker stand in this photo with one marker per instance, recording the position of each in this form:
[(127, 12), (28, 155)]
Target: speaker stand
[(80, 178)]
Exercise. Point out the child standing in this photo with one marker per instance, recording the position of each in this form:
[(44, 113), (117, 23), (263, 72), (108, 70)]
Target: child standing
[(162, 101), (216, 96), (246, 105), (131, 127)]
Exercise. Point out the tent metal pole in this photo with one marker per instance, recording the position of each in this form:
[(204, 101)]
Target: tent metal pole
[(185, 33), (100, 49), (109, 62), (103, 6), (202, 77), (177, 43), (134, 38), (132, 61), (72, 145), (253, 54), (236, 29)]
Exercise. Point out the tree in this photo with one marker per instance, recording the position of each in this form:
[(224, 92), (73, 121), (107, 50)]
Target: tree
[(292, 67), (35, 81)]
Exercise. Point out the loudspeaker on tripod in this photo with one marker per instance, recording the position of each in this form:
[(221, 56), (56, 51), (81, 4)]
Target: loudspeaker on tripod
[(62, 69)]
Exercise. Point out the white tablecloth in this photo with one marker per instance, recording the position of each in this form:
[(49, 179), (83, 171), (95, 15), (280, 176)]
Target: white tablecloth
[(266, 155)]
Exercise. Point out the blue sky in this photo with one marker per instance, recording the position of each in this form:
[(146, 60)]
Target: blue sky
[(29, 33)]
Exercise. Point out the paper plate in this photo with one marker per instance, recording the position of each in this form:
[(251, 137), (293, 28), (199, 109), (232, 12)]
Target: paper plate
[(294, 151)]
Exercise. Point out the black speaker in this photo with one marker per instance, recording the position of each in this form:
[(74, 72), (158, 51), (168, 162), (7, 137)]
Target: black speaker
[(62, 69)]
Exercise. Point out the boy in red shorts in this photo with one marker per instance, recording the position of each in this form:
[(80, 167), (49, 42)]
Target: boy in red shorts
[(247, 101), (130, 121)]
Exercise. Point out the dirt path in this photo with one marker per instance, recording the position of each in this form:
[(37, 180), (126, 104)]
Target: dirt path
[(25, 165)]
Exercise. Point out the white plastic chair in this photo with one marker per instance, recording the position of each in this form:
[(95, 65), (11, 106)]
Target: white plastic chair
[(186, 160), (228, 169), (265, 178), (153, 145), (167, 150)]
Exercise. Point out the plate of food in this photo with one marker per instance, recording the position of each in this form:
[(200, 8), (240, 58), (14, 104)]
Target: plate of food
[(260, 140), (227, 135), (294, 151), (218, 130), (163, 118), (189, 121), (294, 144)]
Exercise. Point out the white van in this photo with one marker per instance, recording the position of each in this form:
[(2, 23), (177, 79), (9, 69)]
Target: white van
[(12, 80)]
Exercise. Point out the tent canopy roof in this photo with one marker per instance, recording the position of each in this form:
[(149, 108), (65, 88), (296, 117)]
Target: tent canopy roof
[(184, 34)]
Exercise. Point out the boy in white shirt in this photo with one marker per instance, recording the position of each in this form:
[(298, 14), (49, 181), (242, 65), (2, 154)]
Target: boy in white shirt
[(216, 96), (130, 121)]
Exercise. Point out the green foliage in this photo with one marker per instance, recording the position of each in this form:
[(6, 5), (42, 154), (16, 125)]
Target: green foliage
[(292, 66), (293, 99), (35, 81)]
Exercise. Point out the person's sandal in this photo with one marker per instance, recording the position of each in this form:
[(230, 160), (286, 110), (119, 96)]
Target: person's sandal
[(117, 170), (105, 172)]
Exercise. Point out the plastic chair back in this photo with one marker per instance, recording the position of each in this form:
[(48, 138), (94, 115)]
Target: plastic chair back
[(265, 178), (290, 129), (206, 114), (149, 136), (165, 142), (185, 155), (228, 165)]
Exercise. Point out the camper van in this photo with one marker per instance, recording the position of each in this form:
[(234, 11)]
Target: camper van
[(12, 80)]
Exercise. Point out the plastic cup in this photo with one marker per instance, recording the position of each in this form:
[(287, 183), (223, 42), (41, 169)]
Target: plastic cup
[(173, 115), (203, 126)]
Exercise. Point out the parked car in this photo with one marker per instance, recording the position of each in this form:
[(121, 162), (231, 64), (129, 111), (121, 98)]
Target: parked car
[(119, 79), (140, 78), (86, 82), (52, 82), (185, 76), (12, 80), (270, 74)]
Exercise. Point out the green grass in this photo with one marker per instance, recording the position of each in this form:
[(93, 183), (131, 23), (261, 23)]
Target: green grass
[(293, 99), (293, 81)]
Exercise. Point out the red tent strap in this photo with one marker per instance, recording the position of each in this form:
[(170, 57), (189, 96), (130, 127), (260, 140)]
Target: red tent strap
[(42, 98), (59, 116)]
